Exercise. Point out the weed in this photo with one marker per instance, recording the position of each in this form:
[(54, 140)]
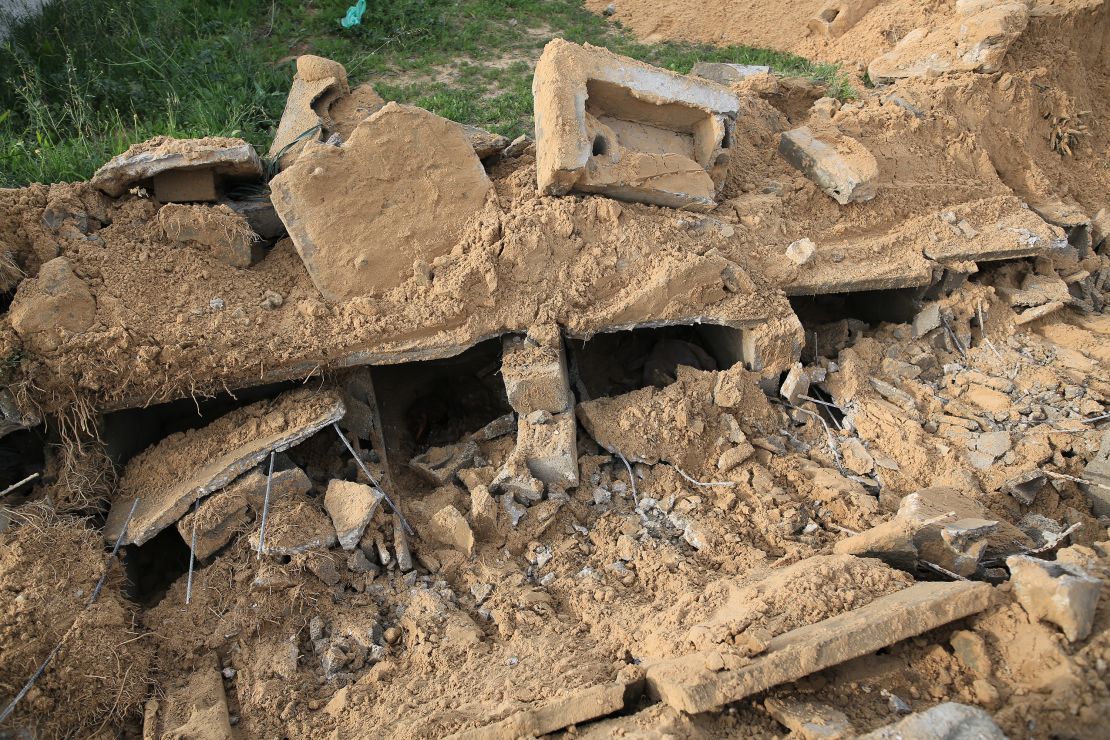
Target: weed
[(84, 81)]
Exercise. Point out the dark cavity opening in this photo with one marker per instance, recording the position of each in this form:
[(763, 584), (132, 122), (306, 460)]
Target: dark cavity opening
[(600, 147), (833, 321), (618, 362), (153, 567), (22, 453)]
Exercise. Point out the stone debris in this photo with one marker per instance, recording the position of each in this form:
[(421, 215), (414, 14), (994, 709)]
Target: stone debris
[(180, 169), (369, 231), (295, 526), (218, 231), (206, 460), (449, 527), (809, 720), (686, 683), (1056, 592), (440, 465), (579, 707), (801, 251), (948, 721), (1096, 475), (612, 125), (727, 74), (535, 375), (795, 385), (839, 165), (195, 708), (351, 506), (52, 305)]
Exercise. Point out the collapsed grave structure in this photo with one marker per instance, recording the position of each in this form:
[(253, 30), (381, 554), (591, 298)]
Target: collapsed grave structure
[(431, 403)]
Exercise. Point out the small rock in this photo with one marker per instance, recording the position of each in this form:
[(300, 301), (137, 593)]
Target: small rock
[(796, 384), (843, 168), (926, 320), (1059, 593), (449, 527), (801, 251), (351, 506)]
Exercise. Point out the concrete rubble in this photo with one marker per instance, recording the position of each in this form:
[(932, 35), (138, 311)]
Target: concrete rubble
[(695, 414)]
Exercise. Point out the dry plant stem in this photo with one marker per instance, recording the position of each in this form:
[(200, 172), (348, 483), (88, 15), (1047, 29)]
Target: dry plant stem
[(92, 600), (726, 484), (265, 508), (14, 486), (366, 472), (632, 477), (193, 546)]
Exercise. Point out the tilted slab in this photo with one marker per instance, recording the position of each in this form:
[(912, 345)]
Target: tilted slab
[(591, 703), (168, 477), (227, 157), (686, 684)]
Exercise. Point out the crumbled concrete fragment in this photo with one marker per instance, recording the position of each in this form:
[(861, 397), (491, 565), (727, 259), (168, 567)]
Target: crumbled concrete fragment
[(356, 212), (295, 526), (259, 215), (499, 427), (449, 527), (224, 158), (926, 320), (1026, 486), (995, 444), (613, 125), (955, 543), (835, 17), (1097, 473), (1038, 312), (535, 375), (1056, 592), (401, 545), (809, 720), (351, 506), (727, 74), (685, 684), (483, 511), (185, 186), (515, 479), (842, 167), (971, 650), (485, 144), (556, 714), (216, 230), (856, 457), (196, 707), (1100, 229), (515, 511), (796, 384), (550, 450), (734, 456), (317, 83), (440, 465), (892, 542), (51, 304), (949, 721), (801, 251)]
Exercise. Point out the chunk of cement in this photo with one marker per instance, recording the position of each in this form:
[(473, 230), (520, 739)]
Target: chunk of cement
[(837, 16), (1060, 593), (351, 506), (295, 526), (550, 449), (535, 375), (687, 684), (975, 40), (53, 303), (449, 527), (440, 465), (358, 213), (955, 542), (225, 158), (725, 73), (318, 83), (809, 720), (801, 251), (196, 707), (1097, 475), (581, 706), (169, 476), (795, 385), (216, 230), (926, 320), (948, 721), (612, 125), (485, 143), (842, 167), (891, 542), (260, 216)]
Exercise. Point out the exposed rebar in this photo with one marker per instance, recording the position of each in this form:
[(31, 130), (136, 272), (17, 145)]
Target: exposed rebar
[(265, 507), (373, 481)]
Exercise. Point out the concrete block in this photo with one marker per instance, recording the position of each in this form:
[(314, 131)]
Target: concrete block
[(351, 506), (612, 125), (535, 376), (182, 186), (842, 167), (295, 526), (550, 449), (449, 527), (216, 230), (221, 157), (1097, 473), (1060, 593), (948, 721), (725, 73)]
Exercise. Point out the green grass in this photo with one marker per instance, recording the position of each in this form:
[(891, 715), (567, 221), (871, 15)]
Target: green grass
[(87, 79)]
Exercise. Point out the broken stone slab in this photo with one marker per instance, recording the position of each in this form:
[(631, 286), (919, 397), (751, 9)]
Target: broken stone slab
[(612, 125), (995, 228), (975, 40), (687, 683), (196, 707), (535, 375), (215, 230), (259, 215), (842, 167), (1060, 593), (449, 527), (295, 526), (549, 447), (169, 476), (948, 721), (1097, 475), (227, 512), (926, 320), (440, 465), (317, 84), (892, 542), (949, 529), (182, 167), (351, 506), (725, 73), (581, 706), (357, 213), (485, 143), (1038, 312), (52, 305), (809, 720), (1037, 290), (795, 385)]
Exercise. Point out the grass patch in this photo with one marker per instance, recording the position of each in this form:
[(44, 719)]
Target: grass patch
[(84, 81)]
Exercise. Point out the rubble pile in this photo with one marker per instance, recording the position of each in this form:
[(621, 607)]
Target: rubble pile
[(703, 413)]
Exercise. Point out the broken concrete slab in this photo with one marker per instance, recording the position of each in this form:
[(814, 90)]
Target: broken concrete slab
[(449, 527), (995, 228), (485, 143), (842, 167), (948, 721), (224, 158), (317, 84), (194, 708), (548, 445), (795, 385), (351, 506), (357, 213), (215, 230), (687, 684), (1097, 475), (891, 542), (1060, 593), (295, 526), (612, 125), (51, 305), (440, 465), (169, 476), (809, 720), (227, 512), (974, 40), (725, 73), (556, 714), (535, 375)]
